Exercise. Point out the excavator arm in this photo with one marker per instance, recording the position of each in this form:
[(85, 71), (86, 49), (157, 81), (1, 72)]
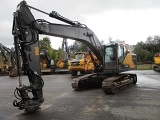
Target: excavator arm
[(26, 30)]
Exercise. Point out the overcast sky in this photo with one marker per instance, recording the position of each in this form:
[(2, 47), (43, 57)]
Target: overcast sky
[(129, 20)]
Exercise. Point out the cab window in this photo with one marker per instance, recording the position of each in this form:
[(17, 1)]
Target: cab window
[(121, 53), (109, 54)]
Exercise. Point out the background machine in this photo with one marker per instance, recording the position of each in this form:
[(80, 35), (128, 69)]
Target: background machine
[(8, 64), (46, 63), (156, 66), (81, 63)]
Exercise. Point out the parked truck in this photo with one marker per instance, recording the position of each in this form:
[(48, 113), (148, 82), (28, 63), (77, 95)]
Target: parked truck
[(82, 63)]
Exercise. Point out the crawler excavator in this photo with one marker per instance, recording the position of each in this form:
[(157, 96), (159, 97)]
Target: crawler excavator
[(4, 62), (113, 59), (8, 66), (61, 63), (47, 64), (12, 70)]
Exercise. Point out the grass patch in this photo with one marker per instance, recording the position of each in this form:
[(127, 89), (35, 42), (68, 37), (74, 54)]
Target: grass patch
[(145, 67)]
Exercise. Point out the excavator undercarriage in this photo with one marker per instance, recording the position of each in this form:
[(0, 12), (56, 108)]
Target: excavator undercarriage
[(110, 83)]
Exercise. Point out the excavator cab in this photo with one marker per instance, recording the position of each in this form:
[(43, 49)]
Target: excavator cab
[(117, 59)]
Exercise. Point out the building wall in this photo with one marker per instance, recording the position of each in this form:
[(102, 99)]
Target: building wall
[(128, 47)]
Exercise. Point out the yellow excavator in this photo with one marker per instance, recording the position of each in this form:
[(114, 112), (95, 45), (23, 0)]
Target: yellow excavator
[(61, 64), (82, 63), (46, 63), (156, 66), (4, 60), (49, 65), (8, 64)]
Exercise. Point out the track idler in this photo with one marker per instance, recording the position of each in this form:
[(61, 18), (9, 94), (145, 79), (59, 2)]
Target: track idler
[(87, 81)]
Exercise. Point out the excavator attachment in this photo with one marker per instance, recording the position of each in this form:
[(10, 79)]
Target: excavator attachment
[(30, 103)]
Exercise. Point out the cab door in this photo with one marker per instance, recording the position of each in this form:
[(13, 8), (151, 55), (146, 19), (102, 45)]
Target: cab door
[(110, 57)]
